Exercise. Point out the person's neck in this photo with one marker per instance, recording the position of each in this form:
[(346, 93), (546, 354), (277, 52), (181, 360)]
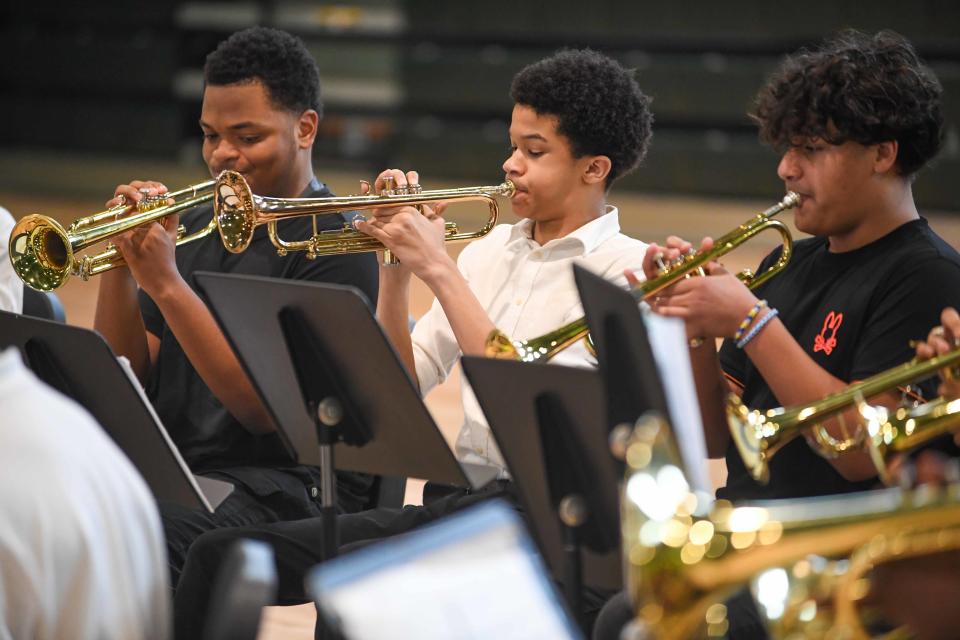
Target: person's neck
[(893, 209), (563, 225), (299, 181)]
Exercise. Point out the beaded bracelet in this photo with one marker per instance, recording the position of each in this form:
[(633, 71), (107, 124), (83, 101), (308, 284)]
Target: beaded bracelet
[(742, 329), (756, 329)]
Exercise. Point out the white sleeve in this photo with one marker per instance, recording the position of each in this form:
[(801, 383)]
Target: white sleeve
[(435, 347), (11, 289)]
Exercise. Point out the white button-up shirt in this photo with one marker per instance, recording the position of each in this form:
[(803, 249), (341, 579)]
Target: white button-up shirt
[(11, 289), (81, 544), (527, 290)]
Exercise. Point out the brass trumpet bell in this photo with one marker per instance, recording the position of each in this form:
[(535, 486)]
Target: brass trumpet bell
[(44, 253), (238, 212), (890, 432), (549, 345), (758, 435)]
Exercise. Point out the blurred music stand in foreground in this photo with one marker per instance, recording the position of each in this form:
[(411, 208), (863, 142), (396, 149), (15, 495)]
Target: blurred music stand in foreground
[(476, 569), (79, 364)]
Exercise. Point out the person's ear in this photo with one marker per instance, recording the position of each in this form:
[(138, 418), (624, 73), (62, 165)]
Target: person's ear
[(886, 156), (307, 126), (596, 169)]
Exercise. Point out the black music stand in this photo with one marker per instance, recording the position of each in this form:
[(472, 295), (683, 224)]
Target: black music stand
[(79, 364), (548, 421), (631, 374), (624, 355), (352, 387)]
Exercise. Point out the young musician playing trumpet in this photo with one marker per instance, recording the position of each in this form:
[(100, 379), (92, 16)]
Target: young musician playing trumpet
[(261, 108), (855, 119), (579, 122)]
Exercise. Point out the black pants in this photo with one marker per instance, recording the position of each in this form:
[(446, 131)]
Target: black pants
[(260, 496), (297, 548)]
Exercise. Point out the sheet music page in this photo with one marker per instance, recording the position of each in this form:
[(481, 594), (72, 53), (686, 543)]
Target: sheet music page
[(668, 339)]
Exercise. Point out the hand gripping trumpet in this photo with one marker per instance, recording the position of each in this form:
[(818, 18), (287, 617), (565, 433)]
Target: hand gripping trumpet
[(44, 253), (758, 435), (238, 212), (686, 554), (550, 344)]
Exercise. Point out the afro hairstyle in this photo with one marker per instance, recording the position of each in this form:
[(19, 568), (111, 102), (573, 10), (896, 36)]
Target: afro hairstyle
[(598, 104), (855, 87)]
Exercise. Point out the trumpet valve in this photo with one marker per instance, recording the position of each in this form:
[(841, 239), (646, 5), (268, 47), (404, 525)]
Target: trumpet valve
[(85, 265), (389, 187), (662, 267)]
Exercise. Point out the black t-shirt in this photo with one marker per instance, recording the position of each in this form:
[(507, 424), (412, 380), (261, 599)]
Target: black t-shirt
[(208, 436), (854, 313)]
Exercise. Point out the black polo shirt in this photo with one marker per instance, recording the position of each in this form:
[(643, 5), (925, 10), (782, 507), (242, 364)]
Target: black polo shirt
[(854, 313), (208, 436)]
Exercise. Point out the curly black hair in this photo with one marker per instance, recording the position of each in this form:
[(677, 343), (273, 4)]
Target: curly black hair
[(598, 104), (277, 59), (855, 87)]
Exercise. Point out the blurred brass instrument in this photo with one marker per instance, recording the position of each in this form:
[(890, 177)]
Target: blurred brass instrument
[(238, 211), (547, 346), (758, 435), (821, 598), (44, 253), (685, 554)]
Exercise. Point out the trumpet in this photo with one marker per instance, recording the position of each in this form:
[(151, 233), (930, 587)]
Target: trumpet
[(550, 344), (44, 253), (238, 212), (685, 553), (758, 435)]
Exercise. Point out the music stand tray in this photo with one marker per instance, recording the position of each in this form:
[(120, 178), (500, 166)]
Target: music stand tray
[(78, 363), (521, 401), (360, 368)]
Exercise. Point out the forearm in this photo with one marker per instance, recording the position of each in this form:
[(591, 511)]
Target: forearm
[(712, 390), (796, 379), (469, 320), (393, 312), (119, 321), (210, 354)]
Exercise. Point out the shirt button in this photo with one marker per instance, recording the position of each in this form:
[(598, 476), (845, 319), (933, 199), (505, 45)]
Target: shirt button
[(518, 301)]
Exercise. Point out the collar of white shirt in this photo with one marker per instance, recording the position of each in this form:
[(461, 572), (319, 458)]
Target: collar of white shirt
[(588, 236)]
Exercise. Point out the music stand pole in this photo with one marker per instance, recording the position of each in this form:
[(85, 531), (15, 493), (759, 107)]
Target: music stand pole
[(573, 514), (328, 414)]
